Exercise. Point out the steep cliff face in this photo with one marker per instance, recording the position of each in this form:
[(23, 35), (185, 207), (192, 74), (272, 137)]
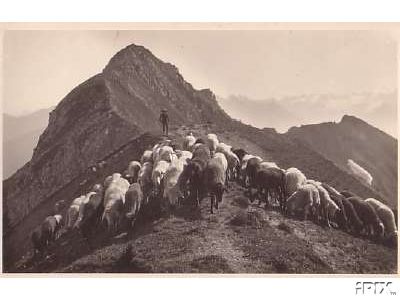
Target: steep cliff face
[(352, 138), (99, 116), (140, 84)]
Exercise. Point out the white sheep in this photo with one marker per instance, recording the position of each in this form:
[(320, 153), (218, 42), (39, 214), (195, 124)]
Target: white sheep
[(146, 157), (172, 191), (133, 171), (133, 203), (189, 142), (73, 211), (359, 172), (144, 178), (294, 178), (212, 142), (328, 208), (158, 173), (222, 159), (304, 199), (165, 153), (268, 164)]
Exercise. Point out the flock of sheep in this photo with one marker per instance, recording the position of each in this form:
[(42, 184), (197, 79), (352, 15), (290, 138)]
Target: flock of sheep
[(204, 167)]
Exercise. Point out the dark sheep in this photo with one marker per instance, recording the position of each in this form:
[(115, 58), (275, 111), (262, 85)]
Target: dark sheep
[(202, 152), (372, 224), (251, 171), (199, 141), (354, 222), (193, 176), (271, 181), (46, 233), (240, 153)]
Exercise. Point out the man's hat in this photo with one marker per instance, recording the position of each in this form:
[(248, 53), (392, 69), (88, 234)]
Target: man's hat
[(164, 110)]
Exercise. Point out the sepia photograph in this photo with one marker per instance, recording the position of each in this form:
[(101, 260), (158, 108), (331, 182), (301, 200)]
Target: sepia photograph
[(200, 149)]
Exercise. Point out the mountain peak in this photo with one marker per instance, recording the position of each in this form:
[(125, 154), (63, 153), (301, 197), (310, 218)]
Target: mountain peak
[(352, 120)]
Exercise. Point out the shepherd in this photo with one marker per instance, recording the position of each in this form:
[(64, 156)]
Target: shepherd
[(164, 121)]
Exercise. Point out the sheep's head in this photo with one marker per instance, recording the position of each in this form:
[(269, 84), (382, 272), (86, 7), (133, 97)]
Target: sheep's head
[(380, 230)]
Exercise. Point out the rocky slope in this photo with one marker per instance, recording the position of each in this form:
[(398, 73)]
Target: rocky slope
[(352, 138)]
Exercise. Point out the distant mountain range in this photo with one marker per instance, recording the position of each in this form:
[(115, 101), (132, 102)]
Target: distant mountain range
[(378, 109), (353, 138), (20, 136)]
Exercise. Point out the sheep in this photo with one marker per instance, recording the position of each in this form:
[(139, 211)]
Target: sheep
[(165, 153), (172, 191), (212, 142), (327, 208), (193, 175), (341, 216), (189, 142), (294, 178), (146, 157), (155, 153), (240, 153), (133, 171), (271, 180), (118, 185), (73, 211), (111, 178), (187, 155), (243, 167), (268, 164), (354, 222), (90, 211), (222, 159), (304, 199), (233, 164), (251, 171), (371, 221), (359, 172), (386, 216), (114, 200), (199, 141), (214, 181), (157, 175), (113, 212), (46, 233), (202, 152), (145, 179), (133, 202)]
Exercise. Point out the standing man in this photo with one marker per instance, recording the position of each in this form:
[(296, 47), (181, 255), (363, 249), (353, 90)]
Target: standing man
[(164, 121)]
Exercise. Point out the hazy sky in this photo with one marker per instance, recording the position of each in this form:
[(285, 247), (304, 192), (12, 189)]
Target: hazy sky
[(41, 67)]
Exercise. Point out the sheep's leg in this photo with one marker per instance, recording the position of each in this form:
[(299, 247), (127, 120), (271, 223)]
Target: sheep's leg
[(216, 202), (266, 198), (212, 204), (306, 212)]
